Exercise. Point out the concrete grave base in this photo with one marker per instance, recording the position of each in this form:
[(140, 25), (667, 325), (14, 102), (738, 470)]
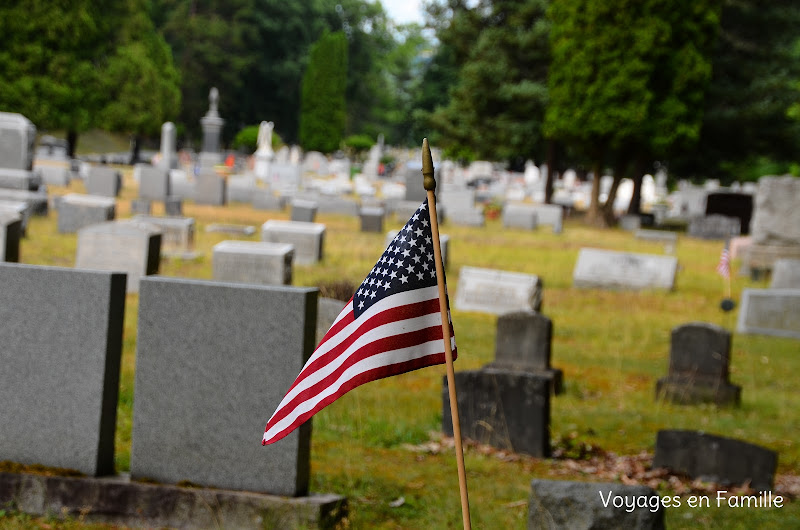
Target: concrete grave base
[(686, 390), (120, 501)]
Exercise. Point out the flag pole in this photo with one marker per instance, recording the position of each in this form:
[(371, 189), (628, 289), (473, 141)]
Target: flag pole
[(430, 186)]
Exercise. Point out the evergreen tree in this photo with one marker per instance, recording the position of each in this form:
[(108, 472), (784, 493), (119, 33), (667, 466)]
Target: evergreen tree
[(323, 111)]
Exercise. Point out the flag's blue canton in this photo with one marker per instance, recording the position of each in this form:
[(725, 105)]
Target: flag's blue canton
[(406, 264)]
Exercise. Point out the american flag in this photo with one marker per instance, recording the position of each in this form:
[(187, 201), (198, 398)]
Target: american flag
[(391, 325), (724, 265)]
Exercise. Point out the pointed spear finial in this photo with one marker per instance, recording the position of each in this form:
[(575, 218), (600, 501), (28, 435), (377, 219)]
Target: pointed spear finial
[(429, 183)]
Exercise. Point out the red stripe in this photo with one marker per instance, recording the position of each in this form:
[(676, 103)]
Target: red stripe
[(364, 377), (392, 314), (382, 345)]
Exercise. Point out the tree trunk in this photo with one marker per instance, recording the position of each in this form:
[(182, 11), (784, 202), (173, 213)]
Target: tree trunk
[(593, 215), (72, 143), (608, 207), (135, 149), (551, 161), (635, 207)]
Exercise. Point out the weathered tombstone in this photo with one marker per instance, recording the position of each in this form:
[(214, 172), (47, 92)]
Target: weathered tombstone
[(129, 245), (210, 188), (232, 229), (336, 205), (241, 188), (775, 228), (669, 239), (739, 205), (211, 124), (495, 291), (227, 353), (630, 223), (36, 200), (456, 198), (372, 219), (412, 173), (699, 360), (61, 380), (785, 274), (714, 226), (169, 157), (103, 181), (54, 174), (153, 182), (308, 239), (266, 200), (19, 209), (181, 185), (507, 410), (522, 344), (623, 270), (76, 211), (20, 179), (17, 139), (520, 216), (328, 310), (177, 234), (770, 312), (141, 206), (550, 214), (10, 234), (173, 206), (304, 211), (264, 153), (466, 217), (714, 458), (444, 243), (253, 262), (556, 504)]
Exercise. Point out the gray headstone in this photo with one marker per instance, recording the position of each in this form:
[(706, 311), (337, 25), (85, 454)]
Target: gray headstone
[(785, 274), (153, 182), (141, 206), (54, 174), (507, 410), (714, 458), (776, 217), (232, 229), (210, 188), (103, 181), (129, 245), (415, 192), (227, 353), (329, 309), (20, 179), (284, 178), (623, 270), (714, 226), (522, 344), (177, 233), (770, 312), (37, 201), (495, 291), (372, 219), (266, 200), (304, 211), (173, 206), (308, 239), (241, 188), (19, 209), (181, 186), (76, 211), (10, 234), (61, 359), (550, 214), (630, 222), (557, 504), (465, 216), (455, 199), (520, 216), (731, 204), (336, 205), (17, 139), (253, 262), (659, 236), (699, 361), (211, 124)]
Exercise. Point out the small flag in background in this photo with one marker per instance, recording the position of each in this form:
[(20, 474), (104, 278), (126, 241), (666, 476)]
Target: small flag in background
[(390, 326), (724, 265)]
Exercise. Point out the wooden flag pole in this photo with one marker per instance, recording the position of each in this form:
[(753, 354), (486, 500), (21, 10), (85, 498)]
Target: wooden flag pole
[(430, 186)]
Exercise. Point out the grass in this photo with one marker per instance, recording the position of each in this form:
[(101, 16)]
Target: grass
[(379, 444)]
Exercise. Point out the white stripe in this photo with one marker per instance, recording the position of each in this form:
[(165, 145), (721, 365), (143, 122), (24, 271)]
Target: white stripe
[(380, 332), (383, 359)]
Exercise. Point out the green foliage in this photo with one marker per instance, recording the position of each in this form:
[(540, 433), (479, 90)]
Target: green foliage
[(322, 120), (359, 142)]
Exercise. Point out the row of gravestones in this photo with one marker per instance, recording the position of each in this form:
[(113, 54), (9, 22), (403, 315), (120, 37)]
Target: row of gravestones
[(226, 352)]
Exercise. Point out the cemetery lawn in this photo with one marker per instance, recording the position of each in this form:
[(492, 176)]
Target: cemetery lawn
[(380, 445)]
